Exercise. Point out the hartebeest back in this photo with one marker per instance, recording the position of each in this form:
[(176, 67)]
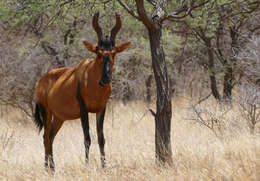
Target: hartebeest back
[(71, 93)]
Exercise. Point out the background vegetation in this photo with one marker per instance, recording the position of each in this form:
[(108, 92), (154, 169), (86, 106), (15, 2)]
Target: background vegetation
[(214, 48)]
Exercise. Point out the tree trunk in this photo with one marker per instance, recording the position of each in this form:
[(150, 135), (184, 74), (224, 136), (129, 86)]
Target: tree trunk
[(229, 66), (163, 152), (163, 115), (213, 82), (227, 84), (148, 83)]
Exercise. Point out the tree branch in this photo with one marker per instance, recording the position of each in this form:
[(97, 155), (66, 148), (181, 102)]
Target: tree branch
[(152, 2), (128, 9), (143, 16), (152, 112), (202, 99), (160, 10), (218, 52), (187, 10), (244, 11)]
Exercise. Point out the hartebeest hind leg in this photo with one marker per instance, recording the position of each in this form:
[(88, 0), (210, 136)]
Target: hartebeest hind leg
[(101, 140), (55, 127), (46, 138), (51, 127)]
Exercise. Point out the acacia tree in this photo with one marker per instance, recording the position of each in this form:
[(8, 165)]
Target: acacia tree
[(154, 25), (219, 25)]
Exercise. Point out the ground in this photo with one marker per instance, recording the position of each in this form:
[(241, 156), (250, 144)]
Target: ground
[(198, 153)]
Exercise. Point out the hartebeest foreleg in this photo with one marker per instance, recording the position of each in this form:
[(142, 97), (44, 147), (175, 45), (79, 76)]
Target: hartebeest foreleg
[(85, 127), (84, 122), (101, 140)]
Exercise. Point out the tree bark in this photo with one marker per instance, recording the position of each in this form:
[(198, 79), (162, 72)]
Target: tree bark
[(148, 84), (213, 82), (163, 152), (228, 81), (229, 66)]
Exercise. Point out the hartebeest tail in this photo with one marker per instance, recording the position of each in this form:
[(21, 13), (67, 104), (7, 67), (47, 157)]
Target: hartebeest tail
[(39, 116), (71, 93)]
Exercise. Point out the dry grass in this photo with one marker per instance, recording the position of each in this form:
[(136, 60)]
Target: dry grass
[(129, 131)]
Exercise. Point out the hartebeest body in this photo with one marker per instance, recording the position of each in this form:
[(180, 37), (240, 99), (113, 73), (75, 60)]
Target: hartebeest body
[(71, 93)]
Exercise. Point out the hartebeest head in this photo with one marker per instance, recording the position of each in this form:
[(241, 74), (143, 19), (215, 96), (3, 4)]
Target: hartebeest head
[(106, 48)]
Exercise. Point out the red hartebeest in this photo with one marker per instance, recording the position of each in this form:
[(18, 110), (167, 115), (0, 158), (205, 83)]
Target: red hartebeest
[(71, 93)]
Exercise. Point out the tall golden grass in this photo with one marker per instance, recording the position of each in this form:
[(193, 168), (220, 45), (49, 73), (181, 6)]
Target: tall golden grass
[(198, 153)]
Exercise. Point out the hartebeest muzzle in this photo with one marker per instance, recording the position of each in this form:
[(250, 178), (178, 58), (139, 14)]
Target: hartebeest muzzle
[(105, 77)]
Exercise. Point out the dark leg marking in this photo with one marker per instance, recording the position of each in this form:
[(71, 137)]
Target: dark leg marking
[(84, 122), (100, 133)]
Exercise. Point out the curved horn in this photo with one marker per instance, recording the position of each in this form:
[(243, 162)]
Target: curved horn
[(97, 27), (116, 28)]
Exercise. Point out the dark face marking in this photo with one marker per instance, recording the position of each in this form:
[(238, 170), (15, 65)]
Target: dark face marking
[(106, 68), (106, 45)]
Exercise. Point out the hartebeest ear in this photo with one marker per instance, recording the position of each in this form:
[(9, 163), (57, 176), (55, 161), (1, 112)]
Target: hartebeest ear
[(122, 47), (90, 46)]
